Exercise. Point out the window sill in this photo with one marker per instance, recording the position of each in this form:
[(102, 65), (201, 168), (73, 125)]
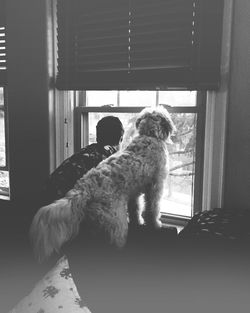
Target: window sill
[(175, 221), (2, 197)]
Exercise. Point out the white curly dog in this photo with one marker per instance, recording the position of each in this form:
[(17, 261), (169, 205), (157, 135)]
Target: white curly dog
[(107, 196)]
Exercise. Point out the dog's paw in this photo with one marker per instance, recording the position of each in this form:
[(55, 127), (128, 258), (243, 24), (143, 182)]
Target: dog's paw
[(136, 222), (155, 224), (158, 224), (141, 220)]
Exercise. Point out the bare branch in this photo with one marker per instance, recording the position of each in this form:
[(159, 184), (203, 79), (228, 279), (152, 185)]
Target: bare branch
[(180, 166)]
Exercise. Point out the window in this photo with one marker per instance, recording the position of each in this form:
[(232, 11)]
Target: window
[(4, 166), (126, 55), (4, 173), (182, 187)]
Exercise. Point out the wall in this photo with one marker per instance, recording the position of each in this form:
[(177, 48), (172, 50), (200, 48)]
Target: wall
[(28, 105), (237, 169)]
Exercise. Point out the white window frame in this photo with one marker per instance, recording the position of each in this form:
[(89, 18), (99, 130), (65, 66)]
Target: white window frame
[(216, 123), (81, 133)]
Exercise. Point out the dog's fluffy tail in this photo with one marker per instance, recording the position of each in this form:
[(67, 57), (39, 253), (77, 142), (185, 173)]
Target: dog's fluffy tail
[(56, 223)]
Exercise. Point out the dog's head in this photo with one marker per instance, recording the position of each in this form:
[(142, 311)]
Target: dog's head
[(155, 122)]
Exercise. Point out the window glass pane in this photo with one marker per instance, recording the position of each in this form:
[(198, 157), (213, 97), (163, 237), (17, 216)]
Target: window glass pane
[(100, 97), (178, 98), (178, 192), (2, 140), (137, 98), (4, 182), (1, 96), (179, 185), (140, 98)]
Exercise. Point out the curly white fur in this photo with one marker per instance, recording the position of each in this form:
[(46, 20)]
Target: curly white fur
[(107, 193)]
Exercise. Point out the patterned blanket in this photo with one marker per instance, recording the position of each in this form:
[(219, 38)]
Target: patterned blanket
[(55, 293)]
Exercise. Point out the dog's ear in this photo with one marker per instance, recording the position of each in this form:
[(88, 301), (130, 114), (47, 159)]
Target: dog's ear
[(144, 115), (138, 122), (167, 125)]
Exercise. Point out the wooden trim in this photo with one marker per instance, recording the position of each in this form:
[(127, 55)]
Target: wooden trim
[(85, 129), (52, 93), (199, 153), (131, 109), (216, 121), (77, 129)]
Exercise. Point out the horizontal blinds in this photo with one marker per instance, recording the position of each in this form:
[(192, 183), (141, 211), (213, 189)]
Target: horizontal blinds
[(3, 62), (160, 34), (207, 41), (139, 44)]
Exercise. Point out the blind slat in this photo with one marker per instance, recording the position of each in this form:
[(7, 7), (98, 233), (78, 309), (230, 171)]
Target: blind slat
[(166, 34), (178, 10), (110, 62), (160, 23), (102, 50), (156, 51), (161, 53), (95, 58), (93, 20)]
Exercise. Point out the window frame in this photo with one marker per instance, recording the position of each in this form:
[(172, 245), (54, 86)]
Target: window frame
[(81, 132), (4, 109)]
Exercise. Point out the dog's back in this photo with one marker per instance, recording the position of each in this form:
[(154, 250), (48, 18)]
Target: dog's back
[(127, 171)]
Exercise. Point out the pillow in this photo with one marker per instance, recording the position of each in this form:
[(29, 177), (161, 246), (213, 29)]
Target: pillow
[(55, 293), (219, 224)]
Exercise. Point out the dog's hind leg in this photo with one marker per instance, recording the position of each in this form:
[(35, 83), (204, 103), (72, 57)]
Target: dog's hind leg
[(135, 212), (109, 220)]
